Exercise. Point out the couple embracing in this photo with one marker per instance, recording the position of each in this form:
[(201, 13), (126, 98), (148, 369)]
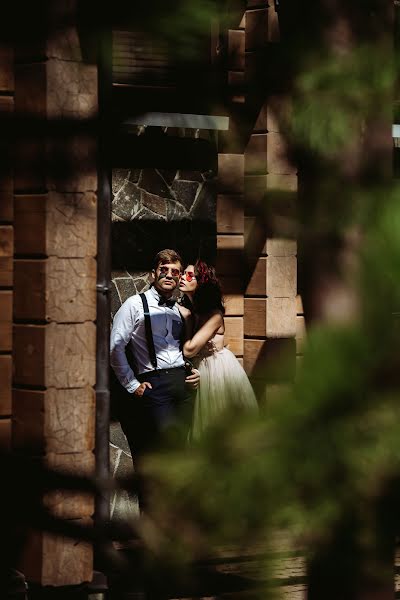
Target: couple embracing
[(181, 377)]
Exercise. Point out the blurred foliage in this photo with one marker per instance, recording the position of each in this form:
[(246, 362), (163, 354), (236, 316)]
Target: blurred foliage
[(334, 95)]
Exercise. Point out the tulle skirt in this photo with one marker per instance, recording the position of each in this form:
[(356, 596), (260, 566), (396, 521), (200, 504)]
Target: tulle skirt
[(223, 385)]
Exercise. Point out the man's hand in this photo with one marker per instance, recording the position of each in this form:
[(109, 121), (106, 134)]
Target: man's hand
[(193, 380), (140, 390)]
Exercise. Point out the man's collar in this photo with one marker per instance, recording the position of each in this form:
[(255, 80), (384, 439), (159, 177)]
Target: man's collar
[(154, 293), (161, 299)]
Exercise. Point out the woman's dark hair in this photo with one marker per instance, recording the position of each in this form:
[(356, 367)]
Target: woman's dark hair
[(208, 294)]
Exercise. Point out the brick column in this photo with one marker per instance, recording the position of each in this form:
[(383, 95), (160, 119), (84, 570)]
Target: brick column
[(55, 285), (6, 249), (270, 195)]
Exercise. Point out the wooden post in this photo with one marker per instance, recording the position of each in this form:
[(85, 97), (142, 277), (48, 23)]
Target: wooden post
[(270, 199), (6, 249), (230, 245), (55, 284)]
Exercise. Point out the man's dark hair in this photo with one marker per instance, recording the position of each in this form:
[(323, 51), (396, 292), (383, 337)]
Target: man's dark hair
[(166, 256)]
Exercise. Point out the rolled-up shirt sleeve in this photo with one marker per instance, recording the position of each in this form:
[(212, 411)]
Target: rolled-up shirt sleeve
[(120, 337)]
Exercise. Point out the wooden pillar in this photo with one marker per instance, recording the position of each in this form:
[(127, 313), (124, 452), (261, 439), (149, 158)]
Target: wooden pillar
[(230, 213), (270, 191), (6, 248), (230, 245), (55, 283)]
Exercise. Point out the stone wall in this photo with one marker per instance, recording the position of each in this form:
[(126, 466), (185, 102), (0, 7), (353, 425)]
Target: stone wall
[(156, 208)]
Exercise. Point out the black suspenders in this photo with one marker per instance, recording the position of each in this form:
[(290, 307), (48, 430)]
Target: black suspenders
[(149, 333)]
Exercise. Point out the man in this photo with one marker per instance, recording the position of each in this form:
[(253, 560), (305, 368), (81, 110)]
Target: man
[(160, 391)]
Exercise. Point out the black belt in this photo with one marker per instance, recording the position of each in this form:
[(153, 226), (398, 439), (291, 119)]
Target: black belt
[(160, 371)]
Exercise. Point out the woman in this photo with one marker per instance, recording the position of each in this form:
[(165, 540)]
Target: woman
[(223, 381)]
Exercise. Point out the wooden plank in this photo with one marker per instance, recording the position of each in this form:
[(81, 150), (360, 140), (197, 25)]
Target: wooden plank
[(54, 224), (258, 242), (6, 68), (5, 386), (255, 189), (67, 44), (299, 305), (255, 236), (6, 240), (236, 83), (6, 299), (230, 173), (257, 285), (274, 32), (5, 434), (254, 355), (71, 355), (6, 201), (30, 275), (232, 290), (282, 182), (234, 334), (281, 317), (54, 421), (6, 175), (230, 242), (56, 560), (270, 360), (236, 44), (257, 29), (256, 3), (261, 123), (271, 393), (280, 247), (55, 355), (255, 317), (300, 333), (30, 224), (255, 156), (277, 155), (274, 276), (29, 354), (230, 255), (67, 504), (270, 317), (72, 225), (6, 255), (234, 305), (61, 289), (39, 93), (267, 153), (230, 215)]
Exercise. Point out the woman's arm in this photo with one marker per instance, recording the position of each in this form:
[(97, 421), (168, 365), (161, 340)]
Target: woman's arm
[(203, 335), (188, 318)]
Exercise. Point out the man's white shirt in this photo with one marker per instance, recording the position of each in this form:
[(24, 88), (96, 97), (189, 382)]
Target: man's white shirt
[(128, 328)]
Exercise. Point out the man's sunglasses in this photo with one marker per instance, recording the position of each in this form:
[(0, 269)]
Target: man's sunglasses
[(189, 275), (166, 270)]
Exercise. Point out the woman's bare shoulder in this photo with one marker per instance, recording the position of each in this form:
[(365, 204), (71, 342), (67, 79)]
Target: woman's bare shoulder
[(215, 315), (185, 312)]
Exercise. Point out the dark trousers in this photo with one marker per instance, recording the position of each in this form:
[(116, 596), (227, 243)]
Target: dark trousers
[(161, 417)]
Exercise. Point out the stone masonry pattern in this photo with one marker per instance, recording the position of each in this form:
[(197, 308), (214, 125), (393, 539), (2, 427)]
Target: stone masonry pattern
[(154, 209)]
